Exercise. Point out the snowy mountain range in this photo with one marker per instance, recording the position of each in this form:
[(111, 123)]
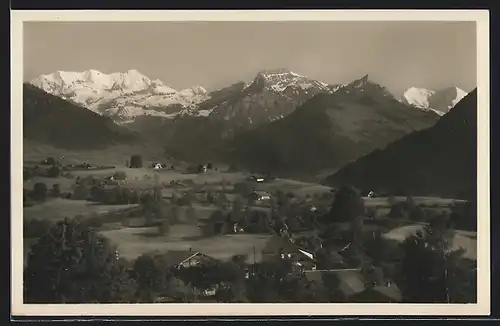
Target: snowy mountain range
[(121, 96), (440, 101), (270, 96), (125, 96)]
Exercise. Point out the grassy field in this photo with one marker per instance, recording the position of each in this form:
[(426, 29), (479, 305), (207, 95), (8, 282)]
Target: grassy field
[(202, 212), (115, 155), (132, 242), (461, 239), (298, 188), (57, 209), (148, 177), (424, 201)]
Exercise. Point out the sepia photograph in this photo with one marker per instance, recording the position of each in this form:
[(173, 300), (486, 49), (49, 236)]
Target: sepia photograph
[(250, 163)]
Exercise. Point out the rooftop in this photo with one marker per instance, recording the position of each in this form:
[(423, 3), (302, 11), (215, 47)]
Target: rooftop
[(175, 257), (351, 280)]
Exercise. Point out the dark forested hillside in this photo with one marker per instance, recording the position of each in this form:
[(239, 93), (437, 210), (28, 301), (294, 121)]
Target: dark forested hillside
[(440, 160), (328, 131), (48, 119)]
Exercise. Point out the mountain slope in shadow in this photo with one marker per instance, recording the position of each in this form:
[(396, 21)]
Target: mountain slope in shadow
[(440, 160), (328, 131), (48, 119)]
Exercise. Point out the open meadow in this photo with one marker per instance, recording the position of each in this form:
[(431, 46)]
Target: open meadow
[(465, 240), (133, 241), (57, 209)]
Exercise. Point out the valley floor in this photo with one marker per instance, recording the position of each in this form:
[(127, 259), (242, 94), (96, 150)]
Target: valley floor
[(184, 234), (135, 241)]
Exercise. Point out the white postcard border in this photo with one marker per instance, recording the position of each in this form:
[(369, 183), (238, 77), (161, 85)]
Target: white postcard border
[(481, 17)]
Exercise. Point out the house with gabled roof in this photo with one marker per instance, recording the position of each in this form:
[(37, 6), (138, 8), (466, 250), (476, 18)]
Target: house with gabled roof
[(261, 195), (184, 258), (279, 248)]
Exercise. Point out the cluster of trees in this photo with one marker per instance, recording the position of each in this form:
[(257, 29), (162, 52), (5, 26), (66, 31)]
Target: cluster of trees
[(424, 266), (152, 276), (34, 228), (50, 161), (279, 282), (386, 259), (72, 264), (432, 272), (55, 167), (463, 215), (112, 196), (41, 192), (52, 172)]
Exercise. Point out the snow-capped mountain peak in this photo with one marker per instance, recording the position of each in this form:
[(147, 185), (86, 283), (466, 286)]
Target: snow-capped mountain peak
[(92, 80), (133, 80), (438, 101), (121, 95), (460, 95), (272, 95), (418, 97), (278, 80), (194, 91)]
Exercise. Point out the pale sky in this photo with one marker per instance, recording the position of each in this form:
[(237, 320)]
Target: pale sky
[(397, 55)]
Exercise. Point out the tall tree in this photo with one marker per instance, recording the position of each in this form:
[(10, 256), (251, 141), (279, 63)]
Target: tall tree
[(54, 172), (39, 191), (151, 275), (191, 215), (237, 209), (431, 272), (157, 194), (136, 161), (72, 264), (347, 205), (380, 250)]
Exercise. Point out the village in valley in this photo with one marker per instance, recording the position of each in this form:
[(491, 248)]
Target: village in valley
[(277, 167), (210, 233)]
